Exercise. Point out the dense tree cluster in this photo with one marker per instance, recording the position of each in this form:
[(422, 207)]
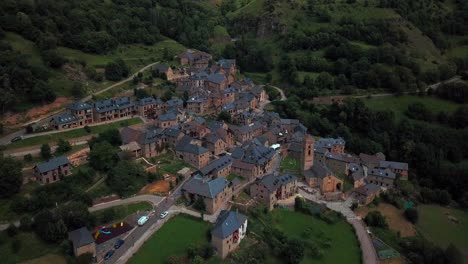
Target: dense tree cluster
[(20, 81), (11, 177)]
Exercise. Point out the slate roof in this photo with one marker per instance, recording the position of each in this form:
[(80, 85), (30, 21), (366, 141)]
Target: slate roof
[(78, 105), (385, 173), (123, 102), (217, 165), (370, 159), (212, 138), (150, 100), (318, 170), (169, 116), (150, 135), (272, 182), (330, 142), (128, 135), (368, 189), (65, 118), (104, 106), (196, 99), (205, 188), (161, 68), (253, 153), (227, 223), (184, 145), (226, 63), (393, 165), (357, 171), (172, 132), (174, 102), (80, 237), (216, 78), (52, 164)]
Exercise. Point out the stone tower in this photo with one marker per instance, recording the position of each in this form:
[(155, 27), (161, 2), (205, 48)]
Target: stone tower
[(307, 160)]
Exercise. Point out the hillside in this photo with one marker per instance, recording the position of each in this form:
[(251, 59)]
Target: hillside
[(310, 47), (335, 37)]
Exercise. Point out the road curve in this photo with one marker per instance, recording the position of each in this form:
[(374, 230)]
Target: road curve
[(152, 199)]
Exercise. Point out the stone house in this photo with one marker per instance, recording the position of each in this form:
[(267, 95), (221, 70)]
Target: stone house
[(216, 82), (148, 142), (149, 107), (51, 171), (218, 168), (333, 145), (214, 144), (358, 174), (174, 105), (381, 177), (214, 192), (371, 161), (64, 121), (173, 135), (111, 109), (229, 230), (191, 153), (227, 66), (195, 58), (399, 168), (259, 93), (229, 95), (83, 112), (197, 105), (339, 163), (365, 194), (247, 132), (322, 177), (169, 119), (252, 160), (270, 189), (195, 129), (82, 241), (164, 71)]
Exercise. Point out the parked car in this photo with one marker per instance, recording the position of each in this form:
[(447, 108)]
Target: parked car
[(143, 220), (109, 254), (119, 243), (164, 214), (17, 138)]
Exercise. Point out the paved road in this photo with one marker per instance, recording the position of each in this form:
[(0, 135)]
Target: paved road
[(152, 199), (369, 254), (7, 139), (135, 239)]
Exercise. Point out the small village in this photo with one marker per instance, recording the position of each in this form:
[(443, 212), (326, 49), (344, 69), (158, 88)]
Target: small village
[(248, 157)]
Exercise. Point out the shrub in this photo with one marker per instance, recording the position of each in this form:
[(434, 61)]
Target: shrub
[(12, 230), (412, 215), (375, 218), (27, 157)]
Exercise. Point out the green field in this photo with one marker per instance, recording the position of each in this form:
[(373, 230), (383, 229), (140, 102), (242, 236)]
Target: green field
[(172, 239), (76, 133), (30, 247), (290, 164), (120, 212), (435, 225), (400, 104), (344, 245)]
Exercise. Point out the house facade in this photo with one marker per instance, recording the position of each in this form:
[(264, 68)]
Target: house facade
[(229, 230), (82, 242), (270, 189), (51, 171), (322, 177), (214, 192)]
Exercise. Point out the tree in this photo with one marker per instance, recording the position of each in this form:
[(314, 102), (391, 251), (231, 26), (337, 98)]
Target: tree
[(453, 255), (28, 157), (293, 251), (63, 146), (75, 215), (225, 116), (53, 58), (126, 178), (116, 70), (412, 215), (199, 204), (78, 90), (11, 177), (375, 218), (42, 92), (103, 156), (46, 152), (49, 226)]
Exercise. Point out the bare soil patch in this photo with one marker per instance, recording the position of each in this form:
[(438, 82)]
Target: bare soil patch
[(395, 218), (36, 112), (162, 186)]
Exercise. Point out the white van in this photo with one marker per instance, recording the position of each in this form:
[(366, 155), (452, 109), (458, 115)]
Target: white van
[(143, 220)]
